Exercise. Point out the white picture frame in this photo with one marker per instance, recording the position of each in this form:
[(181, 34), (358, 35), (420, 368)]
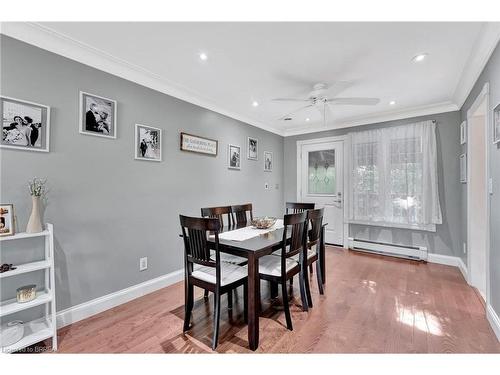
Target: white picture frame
[(463, 133), (496, 125), (10, 108), (105, 106), (252, 148), (463, 168), (233, 157), (268, 161), (147, 143)]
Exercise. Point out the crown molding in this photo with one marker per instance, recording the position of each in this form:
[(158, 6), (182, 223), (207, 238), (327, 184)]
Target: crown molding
[(382, 117), (480, 54), (53, 41), (61, 44)]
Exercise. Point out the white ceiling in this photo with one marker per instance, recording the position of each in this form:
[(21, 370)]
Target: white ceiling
[(260, 61)]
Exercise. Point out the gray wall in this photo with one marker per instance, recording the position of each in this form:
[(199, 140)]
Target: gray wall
[(491, 74), (107, 208), (446, 239)]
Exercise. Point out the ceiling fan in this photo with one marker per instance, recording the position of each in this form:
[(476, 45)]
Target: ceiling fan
[(319, 99)]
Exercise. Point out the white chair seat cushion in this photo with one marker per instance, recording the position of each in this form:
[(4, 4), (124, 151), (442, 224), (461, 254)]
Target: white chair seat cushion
[(229, 273), (310, 254), (228, 258), (271, 265)]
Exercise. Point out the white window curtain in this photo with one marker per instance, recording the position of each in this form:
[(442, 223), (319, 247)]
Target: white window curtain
[(394, 177)]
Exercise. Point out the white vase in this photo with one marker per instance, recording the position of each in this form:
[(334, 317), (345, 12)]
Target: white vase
[(34, 223)]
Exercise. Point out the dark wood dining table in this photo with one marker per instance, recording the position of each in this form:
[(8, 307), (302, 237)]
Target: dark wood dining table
[(253, 249)]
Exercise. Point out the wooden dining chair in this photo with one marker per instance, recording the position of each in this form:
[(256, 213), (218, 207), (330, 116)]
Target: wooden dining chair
[(314, 241), (240, 216), (297, 207), (278, 270), (203, 271), (218, 213)]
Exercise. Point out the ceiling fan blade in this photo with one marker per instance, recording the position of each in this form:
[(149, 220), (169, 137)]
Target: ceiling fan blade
[(289, 100), (295, 111), (337, 87), (354, 101)]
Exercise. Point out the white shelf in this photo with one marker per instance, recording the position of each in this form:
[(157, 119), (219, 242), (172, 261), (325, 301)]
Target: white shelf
[(34, 331), (12, 306), (27, 267), (21, 235)]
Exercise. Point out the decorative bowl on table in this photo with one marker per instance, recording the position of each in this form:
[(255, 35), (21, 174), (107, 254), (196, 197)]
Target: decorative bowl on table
[(263, 222)]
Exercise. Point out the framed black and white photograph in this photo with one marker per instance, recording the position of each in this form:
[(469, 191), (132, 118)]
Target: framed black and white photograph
[(268, 161), (25, 125), (496, 125), (463, 168), (7, 220), (463, 132), (97, 115), (234, 157), (252, 149), (147, 143)]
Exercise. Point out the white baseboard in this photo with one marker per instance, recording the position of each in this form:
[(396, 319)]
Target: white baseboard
[(448, 260), (100, 304), (494, 320)]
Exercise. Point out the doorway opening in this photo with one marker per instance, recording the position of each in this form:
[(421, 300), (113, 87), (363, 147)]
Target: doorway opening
[(477, 194)]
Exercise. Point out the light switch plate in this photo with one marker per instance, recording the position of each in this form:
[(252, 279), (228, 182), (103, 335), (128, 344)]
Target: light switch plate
[(143, 264)]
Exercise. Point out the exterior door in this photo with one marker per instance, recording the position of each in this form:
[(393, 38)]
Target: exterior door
[(322, 182)]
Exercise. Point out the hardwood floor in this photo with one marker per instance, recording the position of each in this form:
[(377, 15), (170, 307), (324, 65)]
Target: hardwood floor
[(372, 304)]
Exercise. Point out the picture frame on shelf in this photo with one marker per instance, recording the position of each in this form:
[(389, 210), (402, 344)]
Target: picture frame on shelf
[(463, 168), (463, 133), (7, 220), (233, 156), (25, 125), (148, 143), (496, 125), (252, 148), (268, 161), (97, 116)]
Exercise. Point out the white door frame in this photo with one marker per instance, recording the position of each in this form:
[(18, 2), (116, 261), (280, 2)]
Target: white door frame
[(345, 187), (483, 95)]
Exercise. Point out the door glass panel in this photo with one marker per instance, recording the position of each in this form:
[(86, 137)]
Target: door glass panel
[(321, 170)]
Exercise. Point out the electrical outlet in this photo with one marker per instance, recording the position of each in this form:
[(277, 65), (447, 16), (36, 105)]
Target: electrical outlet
[(266, 186), (464, 247), (143, 264)]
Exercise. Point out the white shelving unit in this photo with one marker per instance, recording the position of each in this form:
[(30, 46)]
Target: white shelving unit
[(46, 327)]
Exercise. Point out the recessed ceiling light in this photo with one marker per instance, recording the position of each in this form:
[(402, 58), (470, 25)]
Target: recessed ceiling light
[(203, 56), (392, 102), (255, 104), (307, 119), (419, 58)]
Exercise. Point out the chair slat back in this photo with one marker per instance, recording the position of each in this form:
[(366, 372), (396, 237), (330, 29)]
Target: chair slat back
[(194, 232), (315, 217), (297, 207), (218, 213), (297, 224), (240, 213)]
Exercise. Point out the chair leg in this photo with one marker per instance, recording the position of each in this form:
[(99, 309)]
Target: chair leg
[(291, 281), (274, 289), (286, 306), (245, 302), (188, 304), (319, 277), (307, 287), (230, 299), (215, 339), (205, 295), (303, 295), (311, 269)]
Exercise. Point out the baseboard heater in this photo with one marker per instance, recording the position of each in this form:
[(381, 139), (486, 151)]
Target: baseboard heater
[(400, 251)]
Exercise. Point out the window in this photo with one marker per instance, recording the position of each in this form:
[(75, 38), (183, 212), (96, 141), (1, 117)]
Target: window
[(321, 170), (394, 177)]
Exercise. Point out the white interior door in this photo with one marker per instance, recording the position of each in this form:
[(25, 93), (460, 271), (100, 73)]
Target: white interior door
[(322, 183)]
